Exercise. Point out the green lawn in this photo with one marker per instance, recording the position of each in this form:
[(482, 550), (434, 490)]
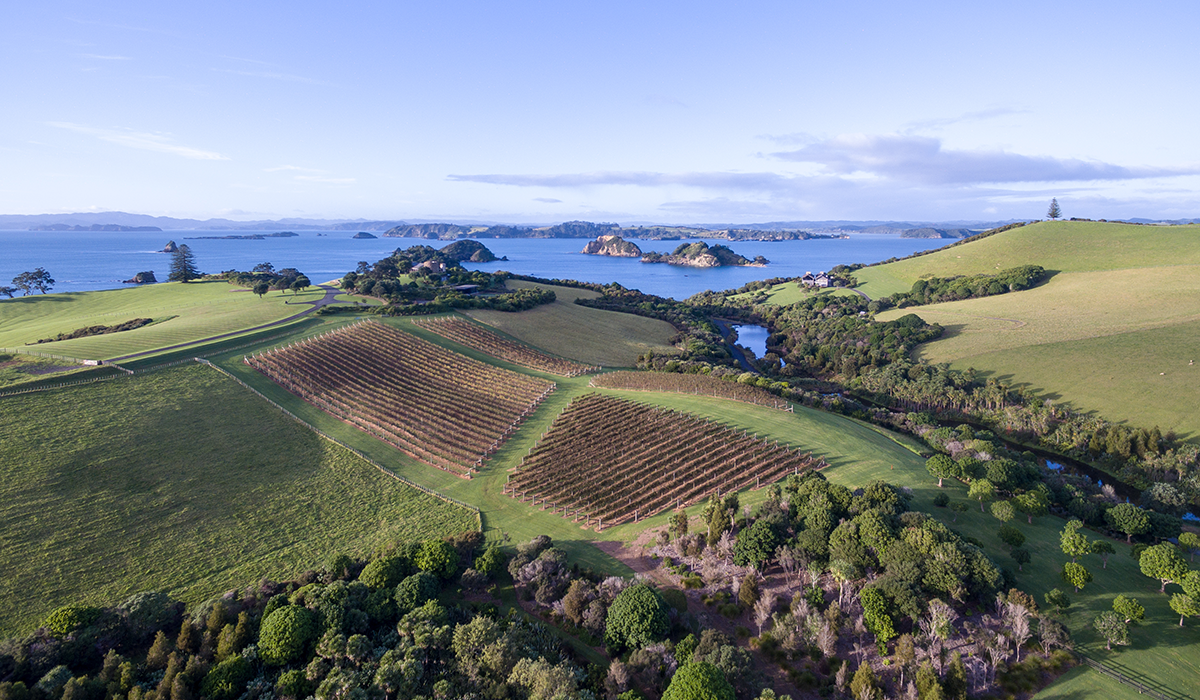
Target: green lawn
[(25, 369), (792, 292), (182, 481), (184, 313), (590, 336)]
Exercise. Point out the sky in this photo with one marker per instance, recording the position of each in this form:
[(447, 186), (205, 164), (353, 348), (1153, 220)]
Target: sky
[(539, 112)]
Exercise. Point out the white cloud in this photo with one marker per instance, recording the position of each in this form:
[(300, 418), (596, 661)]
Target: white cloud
[(922, 159), (141, 141)]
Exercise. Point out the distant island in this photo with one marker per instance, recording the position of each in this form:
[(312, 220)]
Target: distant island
[(251, 237), (700, 254), (929, 232), (146, 277), (469, 251), (587, 229), (363, 235), (614, 246), (93, 227)]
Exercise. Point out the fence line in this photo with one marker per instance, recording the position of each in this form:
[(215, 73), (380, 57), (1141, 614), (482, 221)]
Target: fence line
[(23, 351), (377, 465), (1122, 678)]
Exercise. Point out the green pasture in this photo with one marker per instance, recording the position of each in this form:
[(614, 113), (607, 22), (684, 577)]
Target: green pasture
[(1082, 682), (26, 369), (1063, 246), (1117, 342), (181, 481), (591, 336), (184, 313), (792, 292)]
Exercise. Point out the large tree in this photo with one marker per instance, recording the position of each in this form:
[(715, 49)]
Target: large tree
[(1162, 561), (981, 489), (1110, 626), (942, 467), (37, 280), (1032, 504), (1054, 212), (699, 680), (636, 618), (1129, 519), (1076, 575), (1074, 544), (183, 265)]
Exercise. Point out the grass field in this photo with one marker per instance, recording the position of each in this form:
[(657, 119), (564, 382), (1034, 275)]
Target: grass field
[(24, 369), (792, 292), (1112, 332), (187, 312), (1064, 246), (590, 336), (182, 481)]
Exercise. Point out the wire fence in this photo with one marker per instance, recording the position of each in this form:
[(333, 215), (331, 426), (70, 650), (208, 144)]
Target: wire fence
[(1120, 677)]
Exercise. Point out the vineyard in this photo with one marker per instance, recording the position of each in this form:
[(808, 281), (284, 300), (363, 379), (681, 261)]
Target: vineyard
[(475, 336), (607, 461), (434, 405), (697, 384)]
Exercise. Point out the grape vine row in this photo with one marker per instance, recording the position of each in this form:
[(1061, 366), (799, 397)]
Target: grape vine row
[(607, 461), (479, 338), (696, 384), (434, 405)]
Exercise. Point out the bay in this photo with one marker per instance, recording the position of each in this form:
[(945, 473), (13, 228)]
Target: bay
[(82, 261)]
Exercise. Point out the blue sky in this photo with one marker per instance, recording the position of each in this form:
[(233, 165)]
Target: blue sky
[(536, 112)]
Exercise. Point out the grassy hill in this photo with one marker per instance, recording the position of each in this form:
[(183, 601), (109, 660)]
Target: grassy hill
[(591, 336), (185, 482), (1112, 331), (183, 313)]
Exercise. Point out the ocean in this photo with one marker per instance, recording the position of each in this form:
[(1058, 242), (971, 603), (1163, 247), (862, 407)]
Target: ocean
[(84, 261)]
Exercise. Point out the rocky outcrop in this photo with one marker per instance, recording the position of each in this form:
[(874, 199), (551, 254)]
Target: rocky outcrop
[(170, 247), (363, 235), (468, 251), (613, 245), (146, 277), (700, 254)]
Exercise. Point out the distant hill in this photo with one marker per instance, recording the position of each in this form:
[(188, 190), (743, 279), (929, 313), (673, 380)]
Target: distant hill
[(928, 232)]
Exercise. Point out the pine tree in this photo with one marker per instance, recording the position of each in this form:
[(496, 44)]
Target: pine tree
[(183, 265), (1054, 212)]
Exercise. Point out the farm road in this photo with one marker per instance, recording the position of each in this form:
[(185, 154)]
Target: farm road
[(330, 294)]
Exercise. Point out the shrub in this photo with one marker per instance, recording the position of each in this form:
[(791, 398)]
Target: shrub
[(415, 591), (292, 684), (636, 618), (285, 635), (699, 680), (227, 679), (385, 572), (69, 618), (941, 500), (437, 557)]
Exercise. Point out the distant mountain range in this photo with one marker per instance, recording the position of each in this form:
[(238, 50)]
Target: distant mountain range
[(122, 221)]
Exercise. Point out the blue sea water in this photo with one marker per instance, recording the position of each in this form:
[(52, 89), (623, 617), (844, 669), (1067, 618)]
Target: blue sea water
[(81, 261)]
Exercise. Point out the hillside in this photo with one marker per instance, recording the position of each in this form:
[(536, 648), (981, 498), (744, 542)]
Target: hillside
[(1114, 330)]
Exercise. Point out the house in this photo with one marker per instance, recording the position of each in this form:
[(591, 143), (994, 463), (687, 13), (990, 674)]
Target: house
[(819, 280), (432, 266), (807, 279)]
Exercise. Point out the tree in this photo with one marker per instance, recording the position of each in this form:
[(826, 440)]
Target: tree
[(299, 284), (863, 685), (1074, 544), (1129, 519), (1011, 536), (1033, 504), (1190, 542), (415, 591), (1105, 549), (1054, 212), (28, 282), (183, 265), (437, 557), (756, 544), (1185, 606), (981, 489), (875, 614), (679, 524), (8, 291), (699, 680), (1021, 556), (1076, 575), (1061, 601), (636, 618), (942, 467), (1110, 626), (958, 507), (1162, 561), (261, 288), (285, 634), (1003, 511), (1129, 609)]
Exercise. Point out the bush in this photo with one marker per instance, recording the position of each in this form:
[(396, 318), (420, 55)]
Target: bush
[(227, 679), (636, 618), (699, 680), (286, 634), (415, 591), (941, 500), (69, 618), (437, 557), (292, 684), (385, 572)]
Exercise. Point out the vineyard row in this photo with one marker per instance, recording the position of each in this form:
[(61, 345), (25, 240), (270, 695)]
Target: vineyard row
[(479, 338), (695, 384)]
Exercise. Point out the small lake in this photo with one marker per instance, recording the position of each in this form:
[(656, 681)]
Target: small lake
[(753, 338), (82, 261)]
